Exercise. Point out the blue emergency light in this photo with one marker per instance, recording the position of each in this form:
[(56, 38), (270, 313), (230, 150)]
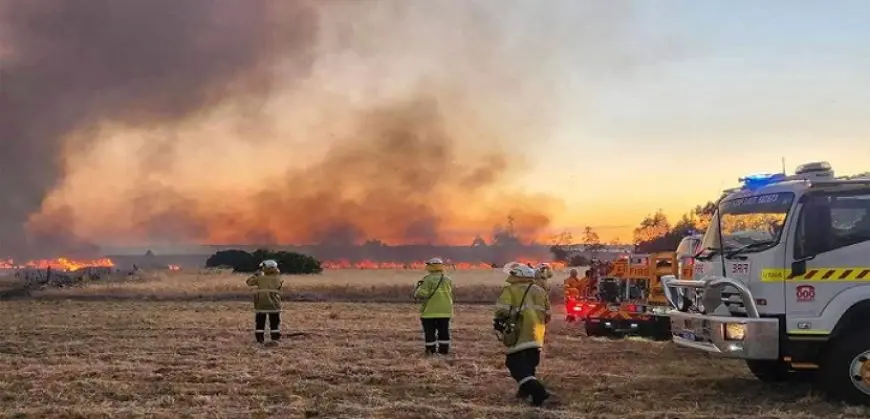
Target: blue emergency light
[(761, 180)]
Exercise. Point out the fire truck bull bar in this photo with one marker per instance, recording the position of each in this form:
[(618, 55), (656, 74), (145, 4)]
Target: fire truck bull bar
[(750, 337)]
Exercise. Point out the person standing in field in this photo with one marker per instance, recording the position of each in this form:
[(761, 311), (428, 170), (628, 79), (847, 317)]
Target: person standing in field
[(267, 300), (435, 292), (542, 274), (521, 314)]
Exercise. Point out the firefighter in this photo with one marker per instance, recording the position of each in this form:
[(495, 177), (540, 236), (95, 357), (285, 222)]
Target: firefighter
[(543, 272), (572, 285), (589, 283), (267, 300), (435, 292), (521, 314)]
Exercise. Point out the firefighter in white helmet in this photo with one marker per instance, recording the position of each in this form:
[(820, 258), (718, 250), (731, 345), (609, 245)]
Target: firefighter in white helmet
[(521, 314), (543, 272), (267, 300), (435, 293)]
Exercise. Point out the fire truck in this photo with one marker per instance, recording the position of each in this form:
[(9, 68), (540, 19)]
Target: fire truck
[(782, 281), (632, 298)]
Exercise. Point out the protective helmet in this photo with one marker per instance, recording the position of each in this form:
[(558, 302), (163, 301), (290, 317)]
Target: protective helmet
[(522, 271), (269, 266), (544, 270), (435, 265)]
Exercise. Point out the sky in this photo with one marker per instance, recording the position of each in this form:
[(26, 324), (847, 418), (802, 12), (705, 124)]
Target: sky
[(751, 83), (415, 120)]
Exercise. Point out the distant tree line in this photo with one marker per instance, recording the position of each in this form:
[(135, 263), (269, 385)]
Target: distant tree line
[(653, 234), (242, 261)]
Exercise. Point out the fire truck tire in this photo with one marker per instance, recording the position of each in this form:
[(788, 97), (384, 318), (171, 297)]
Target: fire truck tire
[(769, 371), (570, 319), (595, 330), (844, 370)]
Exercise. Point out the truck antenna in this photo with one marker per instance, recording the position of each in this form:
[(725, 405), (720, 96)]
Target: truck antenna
[(783, 165)]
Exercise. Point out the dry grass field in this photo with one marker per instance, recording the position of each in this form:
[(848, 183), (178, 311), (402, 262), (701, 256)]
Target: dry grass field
[(472, 286), (119, 357)]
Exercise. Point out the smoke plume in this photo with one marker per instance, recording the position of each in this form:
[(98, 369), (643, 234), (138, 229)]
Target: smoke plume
[(231, 121)]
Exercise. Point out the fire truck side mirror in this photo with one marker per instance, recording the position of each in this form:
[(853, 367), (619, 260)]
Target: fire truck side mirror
[(799, 266)]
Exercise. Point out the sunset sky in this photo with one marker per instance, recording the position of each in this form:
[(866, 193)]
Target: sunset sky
[(420, 120), (750, 82)]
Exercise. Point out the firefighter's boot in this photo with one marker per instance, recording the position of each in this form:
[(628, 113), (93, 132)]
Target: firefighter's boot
[(443, 348), (535, 389)]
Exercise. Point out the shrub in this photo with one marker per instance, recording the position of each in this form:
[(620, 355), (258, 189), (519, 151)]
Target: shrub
[(288, 262)]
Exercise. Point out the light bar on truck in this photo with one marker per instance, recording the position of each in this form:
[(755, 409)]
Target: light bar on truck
[(761, 180)]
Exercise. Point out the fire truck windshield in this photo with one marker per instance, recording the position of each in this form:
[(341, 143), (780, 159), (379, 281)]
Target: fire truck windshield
[(750, 223)]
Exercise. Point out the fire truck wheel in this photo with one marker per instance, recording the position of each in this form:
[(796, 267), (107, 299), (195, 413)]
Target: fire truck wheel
[(769, 371), (570, 319), (595, 330), (844, 371)]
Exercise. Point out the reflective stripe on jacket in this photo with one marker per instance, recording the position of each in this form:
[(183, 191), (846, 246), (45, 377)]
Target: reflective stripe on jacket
[(267, 296), (535, 311), (440, 305)]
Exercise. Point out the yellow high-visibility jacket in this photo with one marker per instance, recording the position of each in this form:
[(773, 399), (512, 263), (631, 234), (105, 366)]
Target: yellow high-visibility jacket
[(440, 304), (577, 287), (541, 277), (267, 296), (535, 312)]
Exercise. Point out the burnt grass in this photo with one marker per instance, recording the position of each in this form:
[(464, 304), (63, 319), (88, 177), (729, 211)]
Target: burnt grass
[(65, 358)]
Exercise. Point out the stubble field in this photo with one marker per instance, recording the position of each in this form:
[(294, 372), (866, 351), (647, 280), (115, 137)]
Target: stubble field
[(187, 351)]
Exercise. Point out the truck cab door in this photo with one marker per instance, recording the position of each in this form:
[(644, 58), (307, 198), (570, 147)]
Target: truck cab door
[(831, 241)]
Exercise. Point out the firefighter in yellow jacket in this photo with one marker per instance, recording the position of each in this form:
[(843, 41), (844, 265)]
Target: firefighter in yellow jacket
[(267, 300), (435, 292), (521, 315), (543, 272)]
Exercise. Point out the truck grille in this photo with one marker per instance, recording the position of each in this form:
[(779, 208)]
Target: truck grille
[(731, 299)]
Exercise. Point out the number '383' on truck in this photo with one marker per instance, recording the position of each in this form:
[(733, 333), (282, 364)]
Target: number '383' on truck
[(782, 280)]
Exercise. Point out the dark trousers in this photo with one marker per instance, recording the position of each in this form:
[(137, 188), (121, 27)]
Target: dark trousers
[(522, 366), (436, 332), (260, 326)]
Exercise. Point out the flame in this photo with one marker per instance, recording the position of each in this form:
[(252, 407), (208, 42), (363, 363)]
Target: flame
[(174, 268), (60, 264), (463, 266)]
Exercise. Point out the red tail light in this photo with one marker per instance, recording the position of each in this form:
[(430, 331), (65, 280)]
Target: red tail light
[(632, 308)]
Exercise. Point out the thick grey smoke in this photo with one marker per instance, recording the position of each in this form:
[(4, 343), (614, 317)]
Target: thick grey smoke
[(230, 121), (68, 65)]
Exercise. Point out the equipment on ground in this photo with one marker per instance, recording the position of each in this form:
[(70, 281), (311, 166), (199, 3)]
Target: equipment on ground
[(784, 275)]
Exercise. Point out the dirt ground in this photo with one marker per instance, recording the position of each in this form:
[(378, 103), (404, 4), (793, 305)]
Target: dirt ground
[(63, 359)]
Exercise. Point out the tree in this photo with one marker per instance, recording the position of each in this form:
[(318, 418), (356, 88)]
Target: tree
[(558, 248), (591, 241), (652, 227), (288, 262), (505, 236)]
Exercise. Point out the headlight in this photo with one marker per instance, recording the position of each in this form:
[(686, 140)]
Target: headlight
[(735, 331)]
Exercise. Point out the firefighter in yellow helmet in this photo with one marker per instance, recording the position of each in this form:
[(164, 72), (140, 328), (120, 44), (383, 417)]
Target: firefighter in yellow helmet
[(267, 300), (543, 272), (521, 314), (435, 293)]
